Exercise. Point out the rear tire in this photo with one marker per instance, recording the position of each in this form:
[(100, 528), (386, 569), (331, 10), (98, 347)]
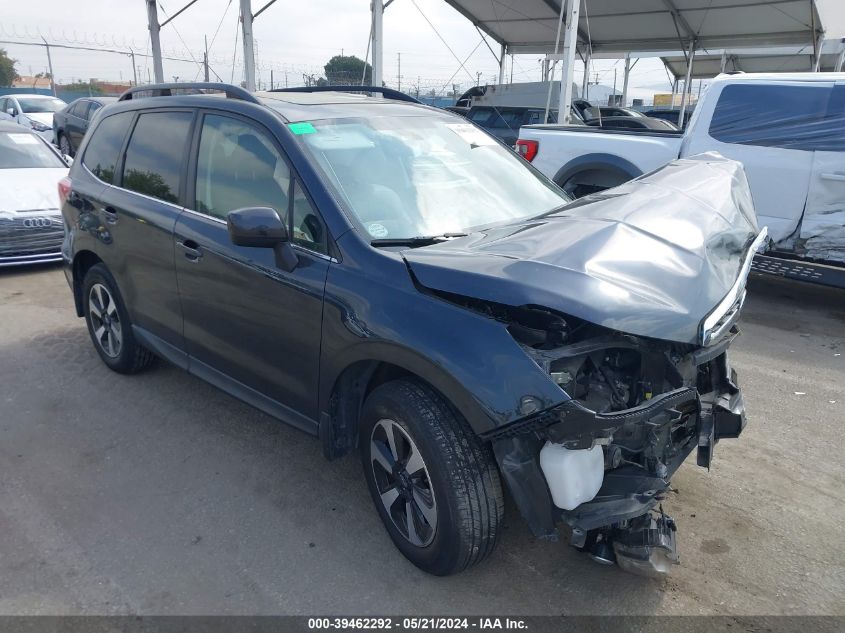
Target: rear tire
[(109, 325), (452, 487)]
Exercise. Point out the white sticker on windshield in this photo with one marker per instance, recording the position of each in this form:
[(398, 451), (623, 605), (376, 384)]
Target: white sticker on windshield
[(471, 134), (23, 139), (377, 230)]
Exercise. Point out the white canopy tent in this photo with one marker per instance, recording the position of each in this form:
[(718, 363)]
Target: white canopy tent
[(628, 26), (773, 60)]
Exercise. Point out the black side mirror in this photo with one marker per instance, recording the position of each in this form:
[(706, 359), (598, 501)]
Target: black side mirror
[(261, 227)]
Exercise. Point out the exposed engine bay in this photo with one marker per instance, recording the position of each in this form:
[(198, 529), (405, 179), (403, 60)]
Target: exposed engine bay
[(601, 462)]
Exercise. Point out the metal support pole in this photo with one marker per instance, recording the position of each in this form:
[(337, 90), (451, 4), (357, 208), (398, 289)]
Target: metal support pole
[(674, 92), (818, 53), (205, 60), (155, 42), (249, 52), (377, 8), (50, 66), (841, 59), (690, 59), (585, 85), (570, 41), (502, 58), (625, 79), (724, 63)]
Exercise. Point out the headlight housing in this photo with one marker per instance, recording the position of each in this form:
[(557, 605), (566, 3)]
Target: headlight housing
[(715, 323), (39, 127)]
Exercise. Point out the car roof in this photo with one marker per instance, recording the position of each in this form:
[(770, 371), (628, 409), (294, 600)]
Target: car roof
[(102, 100), (302, 106)]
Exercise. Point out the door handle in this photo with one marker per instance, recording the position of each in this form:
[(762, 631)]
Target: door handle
[(834, 176), (191, 250)]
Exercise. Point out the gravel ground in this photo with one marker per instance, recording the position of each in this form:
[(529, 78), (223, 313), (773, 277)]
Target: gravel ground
[(158, 494)]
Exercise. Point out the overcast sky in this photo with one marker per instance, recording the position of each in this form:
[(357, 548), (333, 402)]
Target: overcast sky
[(292, 37)]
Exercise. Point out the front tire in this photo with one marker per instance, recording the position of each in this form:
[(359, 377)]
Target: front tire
[(434, 483), (64, 145), (109, 325)]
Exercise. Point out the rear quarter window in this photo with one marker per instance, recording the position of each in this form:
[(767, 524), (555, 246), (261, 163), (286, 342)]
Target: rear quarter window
[(786, 116), (103, 150)]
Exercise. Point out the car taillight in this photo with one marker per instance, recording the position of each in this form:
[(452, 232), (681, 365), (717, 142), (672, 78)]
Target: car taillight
[(64, 190), (527, 149)]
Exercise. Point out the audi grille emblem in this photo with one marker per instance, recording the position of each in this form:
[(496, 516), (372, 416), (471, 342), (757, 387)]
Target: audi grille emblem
[(37, 223)]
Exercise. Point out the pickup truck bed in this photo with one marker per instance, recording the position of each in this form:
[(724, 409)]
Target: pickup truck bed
[(573, 158)]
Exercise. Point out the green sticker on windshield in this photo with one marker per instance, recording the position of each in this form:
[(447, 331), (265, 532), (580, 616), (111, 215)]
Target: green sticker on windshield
[(301, 128)]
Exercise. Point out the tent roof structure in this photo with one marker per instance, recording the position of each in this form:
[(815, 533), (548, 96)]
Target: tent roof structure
[(621, 26)]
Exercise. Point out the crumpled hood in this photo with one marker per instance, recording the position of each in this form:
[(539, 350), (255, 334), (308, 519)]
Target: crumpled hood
[(652, 257), (31, 189)]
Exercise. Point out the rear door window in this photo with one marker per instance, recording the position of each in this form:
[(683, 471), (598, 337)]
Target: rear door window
[(480, 115), (155, 155), (101, 155), (507, 119), (79, 109), (92, 108), (786, 116)]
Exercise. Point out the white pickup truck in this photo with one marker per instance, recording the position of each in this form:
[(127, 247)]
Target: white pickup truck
[(788, 131)]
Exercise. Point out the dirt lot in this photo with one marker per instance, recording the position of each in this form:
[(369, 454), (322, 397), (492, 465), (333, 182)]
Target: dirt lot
[(158, 494)]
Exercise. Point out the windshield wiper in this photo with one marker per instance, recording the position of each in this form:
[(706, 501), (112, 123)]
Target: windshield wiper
[(419, 240)]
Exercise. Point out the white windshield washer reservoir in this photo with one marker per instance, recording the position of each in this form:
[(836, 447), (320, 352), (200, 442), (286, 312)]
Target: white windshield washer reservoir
[(573, 476)]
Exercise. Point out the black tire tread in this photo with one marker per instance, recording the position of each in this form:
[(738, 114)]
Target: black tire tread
[(472, 469), (141, 357)]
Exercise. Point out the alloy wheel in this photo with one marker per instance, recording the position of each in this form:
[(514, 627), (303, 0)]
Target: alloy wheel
[(105, 320), (403, 482)]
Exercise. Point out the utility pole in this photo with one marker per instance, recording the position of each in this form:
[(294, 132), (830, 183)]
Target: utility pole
[(50, 66), (271, 79), (477, 79), (134, 68), (249, 52), (155, 42), (378, 53), (399, 72), (205, 59)]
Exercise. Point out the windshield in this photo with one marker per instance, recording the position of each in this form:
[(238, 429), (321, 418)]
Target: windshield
[(22, 149), (416, 176), (34, 105)]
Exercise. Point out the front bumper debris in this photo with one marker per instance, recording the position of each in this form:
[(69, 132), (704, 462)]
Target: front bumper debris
[(621, 523)]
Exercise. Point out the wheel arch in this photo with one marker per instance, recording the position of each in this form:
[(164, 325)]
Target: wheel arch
[(82, 263), (344, 399), (599, 162)]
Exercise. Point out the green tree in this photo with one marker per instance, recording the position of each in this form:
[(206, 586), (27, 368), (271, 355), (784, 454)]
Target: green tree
[(7, 69), (347, 70)]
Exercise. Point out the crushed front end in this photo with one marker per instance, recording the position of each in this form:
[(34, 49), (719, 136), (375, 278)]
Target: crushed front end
[(601, 461)]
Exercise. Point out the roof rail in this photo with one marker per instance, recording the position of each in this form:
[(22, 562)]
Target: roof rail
[(165, 90), (388, 93)]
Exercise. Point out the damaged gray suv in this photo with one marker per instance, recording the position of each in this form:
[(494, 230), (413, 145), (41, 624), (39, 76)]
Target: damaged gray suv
[(390, 278)]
